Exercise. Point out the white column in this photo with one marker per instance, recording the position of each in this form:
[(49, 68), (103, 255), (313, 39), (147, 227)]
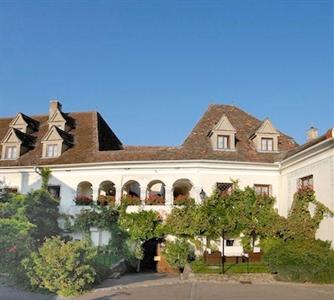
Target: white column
[(118, 196), (95, 193), (168, 196), (142, 194)]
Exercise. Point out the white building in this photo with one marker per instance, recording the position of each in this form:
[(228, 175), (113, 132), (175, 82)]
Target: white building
[(88, 161)]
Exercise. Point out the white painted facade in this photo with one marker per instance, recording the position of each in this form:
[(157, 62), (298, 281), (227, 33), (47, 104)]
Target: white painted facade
[(202, 174)]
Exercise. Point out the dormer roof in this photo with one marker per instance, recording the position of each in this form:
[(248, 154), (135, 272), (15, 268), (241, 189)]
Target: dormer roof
[(16, 136), (21, 118), (266, 127), (56, 134), (224, 125)]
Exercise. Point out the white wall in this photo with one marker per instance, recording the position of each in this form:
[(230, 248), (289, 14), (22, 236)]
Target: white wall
[(202, 174), (318, 162)]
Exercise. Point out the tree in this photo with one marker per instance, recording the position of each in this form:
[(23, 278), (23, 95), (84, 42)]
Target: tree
[(178, 253), (41, 209), (258, 218), (141, 226)]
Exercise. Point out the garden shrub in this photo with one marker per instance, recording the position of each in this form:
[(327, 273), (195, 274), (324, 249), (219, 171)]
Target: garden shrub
[(15, 244), (300, 260), (178, 253), (65, 268)]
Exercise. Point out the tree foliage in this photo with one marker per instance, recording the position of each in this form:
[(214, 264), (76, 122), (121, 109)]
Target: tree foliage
[(65, 268), (178, 253)]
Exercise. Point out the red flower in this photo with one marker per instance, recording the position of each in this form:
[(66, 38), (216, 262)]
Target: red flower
[(12, 250)]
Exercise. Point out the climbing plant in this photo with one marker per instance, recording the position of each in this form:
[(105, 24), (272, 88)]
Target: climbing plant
[(45, 174), (301, 223)]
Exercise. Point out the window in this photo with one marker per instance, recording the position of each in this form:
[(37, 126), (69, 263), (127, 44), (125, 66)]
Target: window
[(54, 190), (306, 181), (262, 189), (223, 142), (267, 144), (225, 187), (229, 243), (52, 150), (10, 152)]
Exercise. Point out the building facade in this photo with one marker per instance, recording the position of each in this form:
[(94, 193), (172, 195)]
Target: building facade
[(89, 163)]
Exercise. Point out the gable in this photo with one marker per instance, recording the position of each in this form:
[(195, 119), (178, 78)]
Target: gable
[(57, 117), (52, 135), (18, 120), (224, 124), (267, 128), (11, 137)]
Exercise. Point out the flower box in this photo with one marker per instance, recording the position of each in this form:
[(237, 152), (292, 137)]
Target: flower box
[(106, 200), (155, 200), (83, 200), (131, 200)]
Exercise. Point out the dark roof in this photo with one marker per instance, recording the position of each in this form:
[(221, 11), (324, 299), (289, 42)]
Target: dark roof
[(26, 139), (94, 141), (198, 142), (33, 124), (309, 144), (67, 138), (85, 135)]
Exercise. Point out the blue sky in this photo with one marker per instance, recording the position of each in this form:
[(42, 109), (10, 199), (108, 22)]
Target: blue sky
[(152, 67)]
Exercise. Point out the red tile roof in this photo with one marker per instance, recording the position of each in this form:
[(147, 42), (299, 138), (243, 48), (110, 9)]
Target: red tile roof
[(94, 141)]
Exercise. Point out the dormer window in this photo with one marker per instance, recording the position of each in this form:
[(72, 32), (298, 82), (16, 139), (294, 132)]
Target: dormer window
[(55, 142), (267, 144), (223, 142), (24, 123), (10, 152), (52, 150), (223, 135), (16, 143), (265, 138)]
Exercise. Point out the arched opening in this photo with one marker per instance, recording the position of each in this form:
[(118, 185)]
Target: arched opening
[(155, 194), (182, 191), (84, 194), (131, 193), (107, 192), (150, 248)]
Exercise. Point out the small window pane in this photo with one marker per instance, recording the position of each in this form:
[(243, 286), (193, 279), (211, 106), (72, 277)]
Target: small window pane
[(306, 181), (267, 144), (52, 150), (10, 152), (262, 189), (223, 142), (225, 187), (229, 243)]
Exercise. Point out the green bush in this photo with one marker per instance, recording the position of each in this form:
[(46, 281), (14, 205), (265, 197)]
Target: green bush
[(178, 253), (300, 260), (15, 244), (65, 268)]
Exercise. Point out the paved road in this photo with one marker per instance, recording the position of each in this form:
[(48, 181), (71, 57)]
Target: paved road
[(162, 287), (13, 293)]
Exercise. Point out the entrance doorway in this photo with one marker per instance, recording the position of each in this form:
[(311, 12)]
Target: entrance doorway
[(148, 264)]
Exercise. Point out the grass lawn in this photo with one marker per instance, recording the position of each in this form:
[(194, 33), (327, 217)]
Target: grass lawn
[(255, 267)]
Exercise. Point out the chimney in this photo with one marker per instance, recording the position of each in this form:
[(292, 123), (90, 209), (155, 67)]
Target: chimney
[(312, 133), (53, 107)]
